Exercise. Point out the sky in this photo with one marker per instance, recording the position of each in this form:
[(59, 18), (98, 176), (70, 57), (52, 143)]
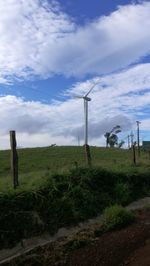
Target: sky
[(53, 50)]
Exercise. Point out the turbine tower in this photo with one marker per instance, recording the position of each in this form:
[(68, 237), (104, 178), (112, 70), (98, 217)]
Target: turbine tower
[(86, 99), (138, 137)]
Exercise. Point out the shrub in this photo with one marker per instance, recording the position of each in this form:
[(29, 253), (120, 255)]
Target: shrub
[(139, 184), (116, 217), (122, 193), (17, 225), (76, 244)]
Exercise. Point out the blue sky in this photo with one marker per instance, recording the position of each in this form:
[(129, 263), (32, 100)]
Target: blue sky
[(52, 49)]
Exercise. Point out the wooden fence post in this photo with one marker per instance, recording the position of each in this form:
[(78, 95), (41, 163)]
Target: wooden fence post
[(134, 154), (87, 154), (149, 155), (14, 158)]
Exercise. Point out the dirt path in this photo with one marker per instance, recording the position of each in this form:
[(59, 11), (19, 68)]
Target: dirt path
[(141, 257), (130, 246)]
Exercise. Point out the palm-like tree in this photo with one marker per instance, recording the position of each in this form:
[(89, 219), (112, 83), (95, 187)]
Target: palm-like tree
[(111, 137)]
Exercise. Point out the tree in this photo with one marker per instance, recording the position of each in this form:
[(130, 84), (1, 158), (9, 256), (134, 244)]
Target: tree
[(111, 137), (122, 142)]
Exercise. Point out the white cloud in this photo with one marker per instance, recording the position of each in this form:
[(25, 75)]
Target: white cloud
[(38, 39), (119, 99), (100, 127), (27, 29), (129, 89)]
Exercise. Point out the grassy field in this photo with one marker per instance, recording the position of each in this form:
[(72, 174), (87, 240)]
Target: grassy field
[(35, 164)]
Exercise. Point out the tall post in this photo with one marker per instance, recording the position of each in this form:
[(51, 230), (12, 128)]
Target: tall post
[(86, 121), (128, 141), (14, 158), (78, 140), (87, 148), (134, 154), (132, 136), (138, 137)]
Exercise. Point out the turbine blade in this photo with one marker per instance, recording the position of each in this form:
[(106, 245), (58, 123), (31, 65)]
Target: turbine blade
[(76, 96), (92, 88)]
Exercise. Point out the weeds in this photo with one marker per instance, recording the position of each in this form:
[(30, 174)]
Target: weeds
[(116, 217), (65, 199)]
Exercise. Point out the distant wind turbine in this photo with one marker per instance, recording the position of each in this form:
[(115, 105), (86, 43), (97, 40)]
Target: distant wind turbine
[(86, 100)]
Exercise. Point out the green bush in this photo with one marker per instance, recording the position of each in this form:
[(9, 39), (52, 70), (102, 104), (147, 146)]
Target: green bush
[(116, 217), (85, 202), (122, 193), (17, 225), (139, 184)]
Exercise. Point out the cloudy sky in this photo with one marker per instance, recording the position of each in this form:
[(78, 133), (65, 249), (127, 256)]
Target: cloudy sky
[(53, 50)]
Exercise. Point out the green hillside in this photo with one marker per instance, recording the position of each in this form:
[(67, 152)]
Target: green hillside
[(36, 163)]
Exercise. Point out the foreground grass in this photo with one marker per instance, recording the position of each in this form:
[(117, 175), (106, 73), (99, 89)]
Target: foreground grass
[(116, 217), (35, 164)]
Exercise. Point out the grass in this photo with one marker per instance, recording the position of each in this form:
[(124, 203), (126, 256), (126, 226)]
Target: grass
[(37, 163), (116, 217)]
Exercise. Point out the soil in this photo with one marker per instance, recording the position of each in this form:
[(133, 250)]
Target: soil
[(129, 246)]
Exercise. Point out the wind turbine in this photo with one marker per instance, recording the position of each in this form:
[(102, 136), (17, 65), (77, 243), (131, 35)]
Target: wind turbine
[(86, 99)]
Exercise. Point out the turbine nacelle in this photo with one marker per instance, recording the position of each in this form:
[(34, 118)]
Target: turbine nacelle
[(87, 98)]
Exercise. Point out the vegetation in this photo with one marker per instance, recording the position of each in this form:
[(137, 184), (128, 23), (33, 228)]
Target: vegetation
[(111, 137), (65, 199), (35, 164), (55, 191), (116, 217)]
